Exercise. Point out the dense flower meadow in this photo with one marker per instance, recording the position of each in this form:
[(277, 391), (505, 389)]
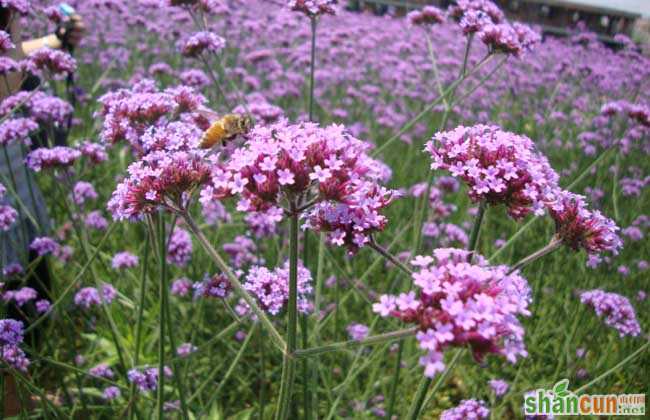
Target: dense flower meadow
[(429, 215)]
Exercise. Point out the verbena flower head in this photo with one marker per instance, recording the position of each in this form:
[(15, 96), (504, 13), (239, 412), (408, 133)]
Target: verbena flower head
[(95, 220), (44, 245), (499, 167), (181, 286), (123, 260), (8, 216), (19, 6), (509, 39), (578, 227), (111, 393), (8, 65), (6, 43), (179, 248), (57, 63), (216, 286), (17, 130), (159, 179), (186, 349), (616, 309), (83, 191), (57, 157), (11, 336), (39, 106), (203, 41), (284, 161), (241, 251), (467, 409), (462, 304), (357, 331), (101, 371), (20, 296), (128, 114), (195, 78), (11, 332), (42, 306), (88, 297), (95, 152), (428, 15), (53, 14), (499, 387), (147, 379), (352, 221), (313, 8), (271, 288), (476, 10)]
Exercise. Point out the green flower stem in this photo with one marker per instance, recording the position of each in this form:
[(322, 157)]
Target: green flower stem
[(345, 345), (390, 257), (239, 289), (443, 376), (476, 228), (547, 249), (288, 365), (306, 390), (177, 365), (615, 368), (162, 251), (231, 368), (617, 170), (138, 324)]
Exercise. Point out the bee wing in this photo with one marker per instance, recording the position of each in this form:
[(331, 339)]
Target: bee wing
[(208, 114)]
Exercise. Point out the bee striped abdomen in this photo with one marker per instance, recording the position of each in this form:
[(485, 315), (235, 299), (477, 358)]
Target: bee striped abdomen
[(216, 133)]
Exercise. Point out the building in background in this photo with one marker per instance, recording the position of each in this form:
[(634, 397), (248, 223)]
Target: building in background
[(604, 17)]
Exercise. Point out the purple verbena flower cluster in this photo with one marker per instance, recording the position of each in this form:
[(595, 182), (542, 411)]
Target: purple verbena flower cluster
[(56, 62), (462, 304), (578, 227), (616, 309), (271, 288), (313, 8), (467, 409), (203, 41), (91, 296), (216, 286), (428, 15), (147, 379), (179, 248), (242, 251), (57, 157), (498, 166), (17, 130), (11, 336), (123, 260)]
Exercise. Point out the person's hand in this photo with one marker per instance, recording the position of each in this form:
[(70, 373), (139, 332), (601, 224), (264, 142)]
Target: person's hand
[(72, 31)]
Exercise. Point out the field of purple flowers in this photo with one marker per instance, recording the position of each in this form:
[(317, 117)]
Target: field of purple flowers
[(430, 216)]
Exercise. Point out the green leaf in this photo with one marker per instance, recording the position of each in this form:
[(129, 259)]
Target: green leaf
[(242, 415), (561, 389)]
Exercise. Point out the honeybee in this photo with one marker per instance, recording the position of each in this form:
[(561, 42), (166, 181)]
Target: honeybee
[(224, 129)]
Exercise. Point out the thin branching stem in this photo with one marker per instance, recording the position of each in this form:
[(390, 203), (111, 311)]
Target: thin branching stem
[(289, 362), (237, 286), (390, 257), (162, 251), (368, 341), (554, 244)]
